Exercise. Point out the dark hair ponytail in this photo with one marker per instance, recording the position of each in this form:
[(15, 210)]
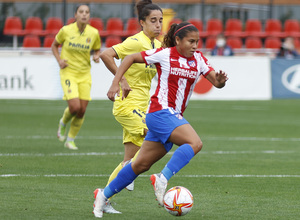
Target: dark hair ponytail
[(144, 8), (179, 30), (169, 38)]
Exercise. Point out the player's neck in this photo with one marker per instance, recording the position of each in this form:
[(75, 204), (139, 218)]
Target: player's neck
[(81, 27)]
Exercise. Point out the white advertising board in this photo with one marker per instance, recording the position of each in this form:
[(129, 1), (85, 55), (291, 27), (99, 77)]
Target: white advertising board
[(37, 77), (249, 79)]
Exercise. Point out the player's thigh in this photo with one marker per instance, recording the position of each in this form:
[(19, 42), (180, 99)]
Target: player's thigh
[(134, 126), (84, 88), (69, 85), (185, 134)]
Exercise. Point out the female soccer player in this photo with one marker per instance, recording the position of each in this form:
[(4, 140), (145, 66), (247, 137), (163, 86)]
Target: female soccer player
[(78, 39), (130, 112), (179, 66)]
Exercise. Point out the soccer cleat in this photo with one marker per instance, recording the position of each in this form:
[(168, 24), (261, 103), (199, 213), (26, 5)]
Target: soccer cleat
[(130, 186), (159, 186), (99, 203), (71, 145), (61, 132), (109, 209)]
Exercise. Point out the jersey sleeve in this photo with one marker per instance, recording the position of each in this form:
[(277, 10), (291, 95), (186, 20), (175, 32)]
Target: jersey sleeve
[(60, 36), (129, 46), (97, 43), (152, 56), (206, 68)]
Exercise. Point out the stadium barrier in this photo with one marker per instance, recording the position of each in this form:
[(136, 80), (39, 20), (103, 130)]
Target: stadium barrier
[(32, 76)]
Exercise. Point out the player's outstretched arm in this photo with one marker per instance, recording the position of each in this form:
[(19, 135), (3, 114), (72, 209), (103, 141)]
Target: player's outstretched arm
[(127, 62), (218, 79)]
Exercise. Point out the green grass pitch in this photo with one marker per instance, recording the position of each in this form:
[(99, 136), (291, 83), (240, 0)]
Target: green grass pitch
[(249, 167)]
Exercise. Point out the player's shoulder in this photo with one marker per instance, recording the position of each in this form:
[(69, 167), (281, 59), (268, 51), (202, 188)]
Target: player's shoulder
[(199, 54), (68, 27), (137, 38), (91, 29)]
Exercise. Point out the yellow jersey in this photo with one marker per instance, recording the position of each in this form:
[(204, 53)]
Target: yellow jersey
[(138, 76), (77, 47)]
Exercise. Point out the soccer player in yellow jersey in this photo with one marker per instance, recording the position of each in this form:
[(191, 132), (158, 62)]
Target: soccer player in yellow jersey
[(78, 40), (130, 112)]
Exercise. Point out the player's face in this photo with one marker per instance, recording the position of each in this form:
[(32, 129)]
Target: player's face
[(83, 14), (188, 45), (153, 24)]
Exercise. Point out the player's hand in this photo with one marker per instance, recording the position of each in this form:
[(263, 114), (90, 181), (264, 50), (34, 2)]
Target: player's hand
[(221, 77), (125, 88), (113, 91), (63, 63), (96, 58)]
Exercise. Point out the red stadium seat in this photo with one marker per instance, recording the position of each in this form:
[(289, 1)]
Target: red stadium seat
[(234, 42), (214, 27), (175, 21), (272, 42), (98, 24), (53, 25), (210, 42), (234, 27), (291, 28), (253, 42), (253, 27), (297, 43), (112, 40), (132, 27), (200, 43), (13, 26), (71, 20), (34, 26), (48, 40), (199, 25), (273, 28), (31, 41), (114, 26)]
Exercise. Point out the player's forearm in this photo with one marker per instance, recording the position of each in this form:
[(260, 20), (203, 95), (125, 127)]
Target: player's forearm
[(55, 52), (127, 62), (108, 59)]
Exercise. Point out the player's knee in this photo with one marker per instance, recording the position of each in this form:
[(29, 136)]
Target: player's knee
[(74, 109), (140, 167), (197, 145)]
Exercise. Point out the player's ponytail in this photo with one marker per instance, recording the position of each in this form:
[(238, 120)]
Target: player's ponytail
[(177, 30), (169, 39), (144, 8)]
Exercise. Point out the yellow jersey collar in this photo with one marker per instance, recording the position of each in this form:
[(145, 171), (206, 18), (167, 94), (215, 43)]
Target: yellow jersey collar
[(148, 39)]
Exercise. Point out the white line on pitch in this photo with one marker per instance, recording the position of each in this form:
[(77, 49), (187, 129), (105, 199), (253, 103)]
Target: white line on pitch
[(121, 153), (272, 139), (185, 176), (60, 154)]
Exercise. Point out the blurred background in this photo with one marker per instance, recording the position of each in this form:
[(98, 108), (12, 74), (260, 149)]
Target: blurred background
[(247, 24), (257, 42)]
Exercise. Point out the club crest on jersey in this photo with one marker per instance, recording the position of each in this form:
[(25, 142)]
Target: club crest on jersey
[(88, 40), (192, 63), (183, 63)]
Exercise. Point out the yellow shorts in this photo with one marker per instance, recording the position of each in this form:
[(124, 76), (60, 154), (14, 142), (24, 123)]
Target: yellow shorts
[(133, 123), (76, 85)]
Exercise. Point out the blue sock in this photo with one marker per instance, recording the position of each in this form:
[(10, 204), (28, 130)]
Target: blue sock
[(123, 179), (180, 158)]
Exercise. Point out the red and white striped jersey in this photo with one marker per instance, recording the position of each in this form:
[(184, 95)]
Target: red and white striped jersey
[(177, 77)]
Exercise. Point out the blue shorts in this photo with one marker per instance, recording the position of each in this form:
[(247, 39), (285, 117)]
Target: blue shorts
[(161, 124)]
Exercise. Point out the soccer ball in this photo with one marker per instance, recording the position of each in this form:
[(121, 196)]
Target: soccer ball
[(178, 201)]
